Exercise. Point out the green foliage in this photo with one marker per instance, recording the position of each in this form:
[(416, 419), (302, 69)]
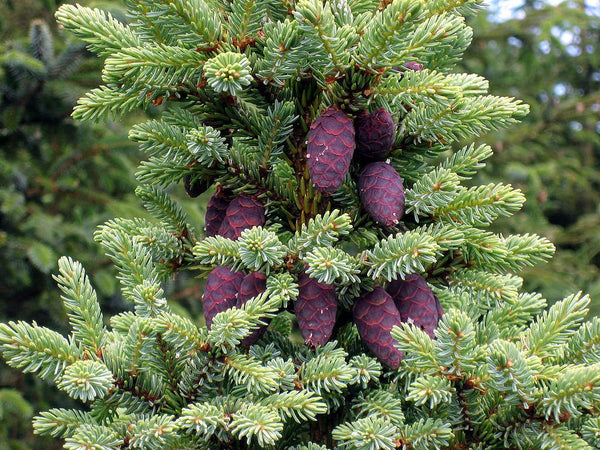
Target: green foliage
[(242, 82), (548, 56)]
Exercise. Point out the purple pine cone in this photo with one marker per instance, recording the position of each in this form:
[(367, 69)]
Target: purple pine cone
[(316, 308), (252, 285), (381, 192), (220, 292), (330, 148), (375, 315), (375, 133), (243, 212), (416, 302), (215, 213), (412, 65)]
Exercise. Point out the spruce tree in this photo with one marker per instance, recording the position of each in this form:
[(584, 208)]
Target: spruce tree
[(322, 133)]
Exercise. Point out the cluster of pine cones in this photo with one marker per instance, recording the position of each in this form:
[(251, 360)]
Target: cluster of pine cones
[(334, 141)]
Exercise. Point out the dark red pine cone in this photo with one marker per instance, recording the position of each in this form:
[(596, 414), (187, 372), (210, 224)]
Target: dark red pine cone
[(196, 187), (243, 212), (330, 148), (375, 314), (374, 134), (381, 193), (316, 308), (220, 292), (416, 302), (215, 212), (412, 65), (252, 285)]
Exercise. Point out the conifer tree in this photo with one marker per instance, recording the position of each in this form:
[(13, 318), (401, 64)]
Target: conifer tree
[(323, 134)]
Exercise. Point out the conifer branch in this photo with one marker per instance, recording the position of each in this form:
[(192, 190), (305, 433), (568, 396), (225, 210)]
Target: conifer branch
[(574, 390), (217, 250), (202, 22), (283, 54), (161, 206), (465, 118), (367, 370), (261, 249), (60, 422), (256, 422), (370, 432), (554, 327), (106, 102), (327, 372), (329, 44), (431, 390), (155, 64), (99, 29), (248, 372), (427, 433), (400, 255), (481, 205), (203, 419), (583, 346), (384, 404), (138, 275), (253, 86), (31, 348), (456, 344), (466, 161), (330, 264), (86, 380), (510, 373), (93, 436), (297, 405), (82, 306), (321, 230)]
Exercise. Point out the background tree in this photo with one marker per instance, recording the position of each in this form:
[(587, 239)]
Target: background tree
[(548, 55)]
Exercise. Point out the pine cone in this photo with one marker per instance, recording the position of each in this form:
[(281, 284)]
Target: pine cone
[(416, 302), (381, 193), (220, 292), (330, 148), (316, 308), (215, 213), (252, 285), (375, 315), (412, 65), (374, 135), (243, 212), (196, 187)]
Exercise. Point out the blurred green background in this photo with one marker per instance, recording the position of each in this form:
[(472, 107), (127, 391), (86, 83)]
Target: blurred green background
[(60, 179)]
